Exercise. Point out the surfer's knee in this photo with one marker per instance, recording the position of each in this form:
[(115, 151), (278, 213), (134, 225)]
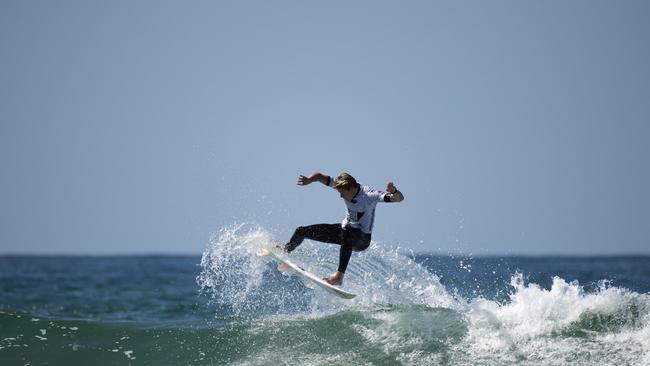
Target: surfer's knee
[(361, 243), (360, 247), (302, 230)]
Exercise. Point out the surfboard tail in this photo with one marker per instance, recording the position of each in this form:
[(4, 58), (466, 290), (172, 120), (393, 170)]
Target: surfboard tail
[(263, 252)]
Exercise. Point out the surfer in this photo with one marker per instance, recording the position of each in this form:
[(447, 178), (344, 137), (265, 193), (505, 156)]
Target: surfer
[(354, 233)]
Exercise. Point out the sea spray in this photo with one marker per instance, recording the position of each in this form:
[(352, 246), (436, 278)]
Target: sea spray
[(237, 281), (236, 278)]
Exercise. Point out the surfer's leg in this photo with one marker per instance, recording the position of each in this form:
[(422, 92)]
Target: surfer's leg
[(344, 258), (327, 233), (353, 240)]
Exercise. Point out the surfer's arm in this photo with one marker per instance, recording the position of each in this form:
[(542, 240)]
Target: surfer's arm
[(393, 194), (314, 177)]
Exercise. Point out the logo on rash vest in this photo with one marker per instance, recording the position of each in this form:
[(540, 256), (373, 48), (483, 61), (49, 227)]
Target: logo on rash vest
[(356, 215)]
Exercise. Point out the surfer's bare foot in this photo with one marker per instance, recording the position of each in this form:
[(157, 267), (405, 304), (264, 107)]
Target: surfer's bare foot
[(282, 248), (336, 279)]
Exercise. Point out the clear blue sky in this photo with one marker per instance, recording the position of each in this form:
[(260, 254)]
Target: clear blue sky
[(512, 127)]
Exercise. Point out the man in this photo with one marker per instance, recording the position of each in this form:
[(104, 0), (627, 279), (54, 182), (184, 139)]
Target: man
[(353, 234)]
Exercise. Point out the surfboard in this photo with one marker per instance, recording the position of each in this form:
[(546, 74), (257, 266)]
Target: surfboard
[(286, 263)]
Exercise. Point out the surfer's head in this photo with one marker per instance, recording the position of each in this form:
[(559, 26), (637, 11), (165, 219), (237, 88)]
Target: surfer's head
[(346, 185)]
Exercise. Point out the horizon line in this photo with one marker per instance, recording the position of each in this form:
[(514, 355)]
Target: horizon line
[(416, 253)]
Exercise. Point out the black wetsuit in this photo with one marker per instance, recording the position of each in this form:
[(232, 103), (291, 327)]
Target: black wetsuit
[(349, 238)]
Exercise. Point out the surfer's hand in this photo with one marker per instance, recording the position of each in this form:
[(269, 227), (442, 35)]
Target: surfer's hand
[(303, 181), (313, 177), (390, 187), (395, 195)]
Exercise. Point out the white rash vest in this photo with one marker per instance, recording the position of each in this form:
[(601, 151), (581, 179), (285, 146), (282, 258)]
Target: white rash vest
[(361, 210)]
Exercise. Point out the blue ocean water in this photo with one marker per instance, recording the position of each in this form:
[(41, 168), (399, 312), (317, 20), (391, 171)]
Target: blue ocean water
[(230, 307)]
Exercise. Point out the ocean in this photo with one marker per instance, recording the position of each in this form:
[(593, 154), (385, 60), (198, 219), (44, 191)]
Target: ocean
[(231, 307)]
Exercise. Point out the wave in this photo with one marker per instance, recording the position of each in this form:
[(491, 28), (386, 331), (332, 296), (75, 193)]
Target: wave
[(404, 315)]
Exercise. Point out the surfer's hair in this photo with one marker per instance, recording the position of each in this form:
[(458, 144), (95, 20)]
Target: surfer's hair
[(345, 181)]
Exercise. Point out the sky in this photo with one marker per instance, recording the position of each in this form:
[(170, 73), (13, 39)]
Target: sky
[(511, 127)]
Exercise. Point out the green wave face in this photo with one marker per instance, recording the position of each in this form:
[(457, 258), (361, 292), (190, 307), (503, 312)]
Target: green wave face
[(379, 337)]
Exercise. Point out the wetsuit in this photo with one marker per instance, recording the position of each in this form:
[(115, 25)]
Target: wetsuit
[(353, 234)]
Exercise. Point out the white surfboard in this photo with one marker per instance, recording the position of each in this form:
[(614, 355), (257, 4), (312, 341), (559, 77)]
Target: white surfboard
[(272, 252)]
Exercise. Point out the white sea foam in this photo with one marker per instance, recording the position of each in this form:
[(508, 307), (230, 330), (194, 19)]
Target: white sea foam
[(556, 326)]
